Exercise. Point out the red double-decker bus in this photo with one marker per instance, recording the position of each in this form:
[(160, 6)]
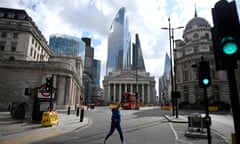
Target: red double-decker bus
[(128, 100)]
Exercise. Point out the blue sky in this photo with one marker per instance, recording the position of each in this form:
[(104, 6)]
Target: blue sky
[(93, 18)]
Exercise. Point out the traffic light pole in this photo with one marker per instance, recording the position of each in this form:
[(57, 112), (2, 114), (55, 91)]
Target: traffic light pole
[(234, 99), (207, 115), (51, 91)]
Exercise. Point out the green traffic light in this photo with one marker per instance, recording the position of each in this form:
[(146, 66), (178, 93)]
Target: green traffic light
[(205, 81), (229, 46)]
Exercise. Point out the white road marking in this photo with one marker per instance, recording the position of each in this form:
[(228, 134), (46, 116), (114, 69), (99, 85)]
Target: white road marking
[(176, 136)]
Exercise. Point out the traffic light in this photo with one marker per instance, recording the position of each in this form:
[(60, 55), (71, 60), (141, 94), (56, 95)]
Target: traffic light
[(226, 33), (204, 74), (48, 84)]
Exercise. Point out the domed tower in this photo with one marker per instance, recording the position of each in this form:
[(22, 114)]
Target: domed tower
[(197, 42)]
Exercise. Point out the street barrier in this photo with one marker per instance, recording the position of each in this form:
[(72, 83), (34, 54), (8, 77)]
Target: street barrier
[(196, 123), (50, 118)]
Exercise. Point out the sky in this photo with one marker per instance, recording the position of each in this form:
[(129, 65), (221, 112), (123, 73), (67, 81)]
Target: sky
[(93, 18)]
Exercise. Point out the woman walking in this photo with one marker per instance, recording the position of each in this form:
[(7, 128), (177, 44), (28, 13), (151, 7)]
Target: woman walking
[(116, 119)]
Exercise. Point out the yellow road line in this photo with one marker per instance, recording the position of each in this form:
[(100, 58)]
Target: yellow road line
[(32, 137)]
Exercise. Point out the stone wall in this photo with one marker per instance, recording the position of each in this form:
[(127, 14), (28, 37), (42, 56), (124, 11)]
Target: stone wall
[(15, 76)]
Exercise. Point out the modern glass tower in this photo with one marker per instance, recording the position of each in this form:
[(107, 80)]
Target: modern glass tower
[(137, 57), (167, 65), (67, 45), (119, 43), (96, 72)]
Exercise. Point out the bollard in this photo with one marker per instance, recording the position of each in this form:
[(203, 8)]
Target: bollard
[(68, 111), (77, 111), (82, 114)]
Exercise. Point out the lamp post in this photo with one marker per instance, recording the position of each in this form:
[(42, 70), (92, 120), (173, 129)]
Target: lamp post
[(171, 41), (174, 61)]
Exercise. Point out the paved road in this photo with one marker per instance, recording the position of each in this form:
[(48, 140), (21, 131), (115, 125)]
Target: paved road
[(146, 126)]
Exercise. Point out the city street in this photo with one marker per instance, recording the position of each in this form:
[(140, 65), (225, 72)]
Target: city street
[(145, 126)]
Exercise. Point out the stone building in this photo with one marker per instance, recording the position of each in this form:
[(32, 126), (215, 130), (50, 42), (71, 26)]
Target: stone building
[(26, 61), (117, 82), (197, 42)]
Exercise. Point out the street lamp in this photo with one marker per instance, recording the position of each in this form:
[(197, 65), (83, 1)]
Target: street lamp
[(173, 84)]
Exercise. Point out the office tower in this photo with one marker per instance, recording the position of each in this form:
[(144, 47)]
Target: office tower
[(67, 45), (167, 65), (137, 57), (96, 72), (119, 43), (89, 54)]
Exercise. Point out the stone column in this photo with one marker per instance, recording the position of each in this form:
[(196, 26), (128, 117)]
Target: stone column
[(131, 85), (143, 95), (148, 92), (109, 88), (120, 92), (114, 92)]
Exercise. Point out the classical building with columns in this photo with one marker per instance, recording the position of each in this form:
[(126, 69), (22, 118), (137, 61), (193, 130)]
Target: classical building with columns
[(120, 81)]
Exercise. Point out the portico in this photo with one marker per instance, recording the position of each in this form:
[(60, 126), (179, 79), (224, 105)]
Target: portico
[(118, 82)]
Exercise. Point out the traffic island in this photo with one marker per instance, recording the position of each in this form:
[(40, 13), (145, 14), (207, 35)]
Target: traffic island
[(196, 134)]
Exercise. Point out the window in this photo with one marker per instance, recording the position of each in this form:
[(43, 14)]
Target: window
[(198, 94), (215, 91), (2, 46), (4, 34), (15, 35), (1, 14), (31, 51), (186, 94), (32, 41), (21, 16), (34, 54), (195, 36), (185, 75), (207, 36), (196, 49), (13, 46), (10, 15)]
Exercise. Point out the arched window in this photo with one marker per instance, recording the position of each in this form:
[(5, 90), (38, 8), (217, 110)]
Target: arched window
[(195, 36)]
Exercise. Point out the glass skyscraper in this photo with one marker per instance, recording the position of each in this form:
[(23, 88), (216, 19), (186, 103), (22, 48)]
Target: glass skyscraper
[(67, 45), (167, 65), (137, 58), (96, 72), (119, 43)]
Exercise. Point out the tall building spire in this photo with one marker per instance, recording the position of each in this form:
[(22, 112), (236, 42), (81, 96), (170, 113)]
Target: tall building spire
[(195, 11)]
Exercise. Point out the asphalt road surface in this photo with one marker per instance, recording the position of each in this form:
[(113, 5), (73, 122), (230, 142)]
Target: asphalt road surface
[(145, 126)]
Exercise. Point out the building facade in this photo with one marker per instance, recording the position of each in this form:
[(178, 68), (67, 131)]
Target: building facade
[(119, 43), (26, 61), (197, 43), (20, 38), (117, 82)]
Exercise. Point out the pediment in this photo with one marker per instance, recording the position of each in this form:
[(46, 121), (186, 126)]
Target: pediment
[(127, 76)]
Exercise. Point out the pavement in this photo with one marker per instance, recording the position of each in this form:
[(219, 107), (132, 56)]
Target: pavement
[(15, 131), (198, 133)]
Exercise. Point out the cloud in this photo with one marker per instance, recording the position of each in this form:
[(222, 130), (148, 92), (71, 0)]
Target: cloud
[(78, 17)]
